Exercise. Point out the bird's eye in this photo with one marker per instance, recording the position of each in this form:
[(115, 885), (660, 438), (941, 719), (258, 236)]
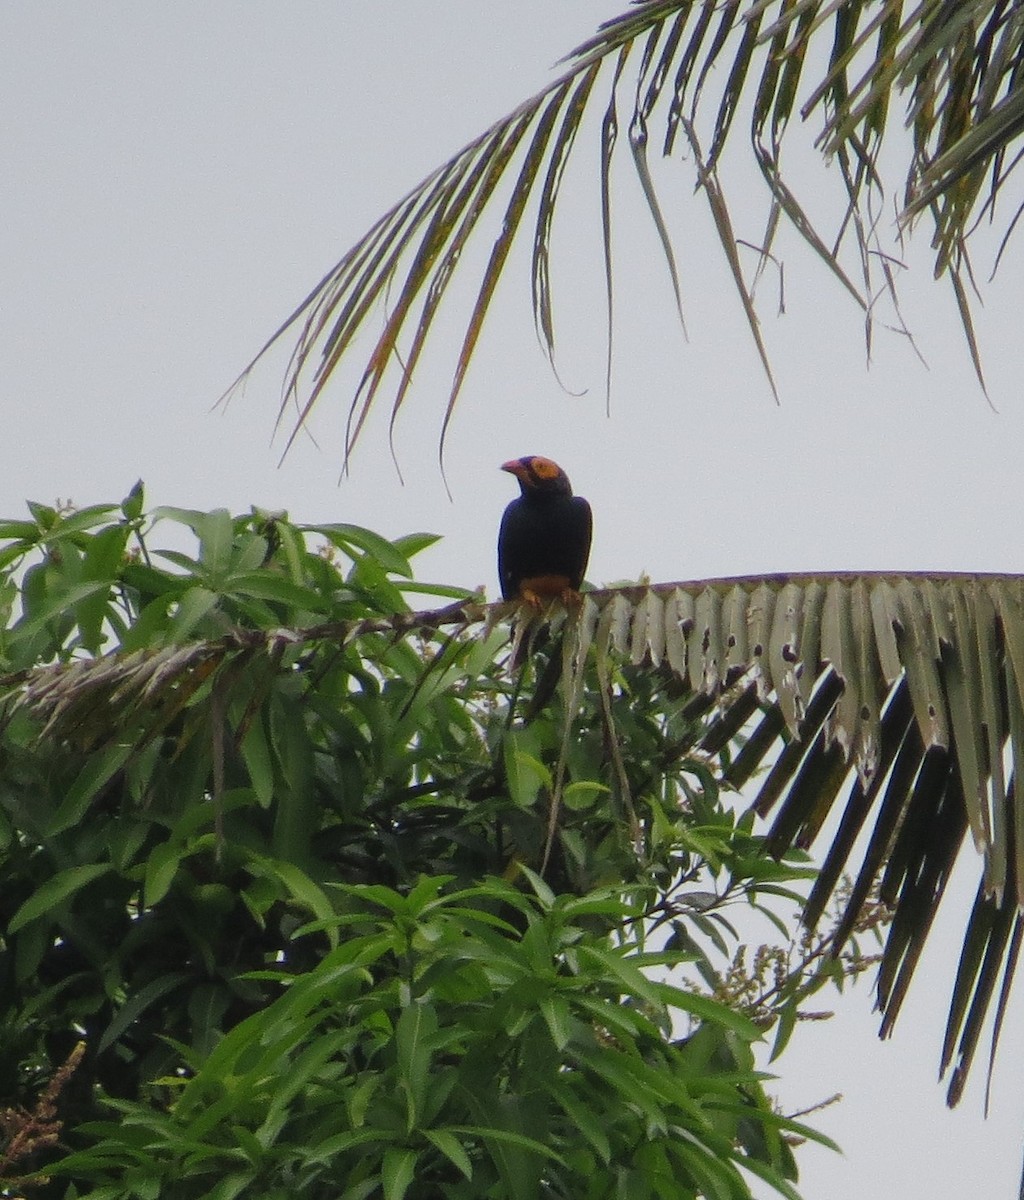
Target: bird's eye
[(544, 468)]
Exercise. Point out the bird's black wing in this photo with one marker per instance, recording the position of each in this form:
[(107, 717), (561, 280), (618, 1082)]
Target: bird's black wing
[(579, 524), (513, 547)]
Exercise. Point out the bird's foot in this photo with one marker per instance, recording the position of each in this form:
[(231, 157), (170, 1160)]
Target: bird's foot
[(532, 600), (538, 602)]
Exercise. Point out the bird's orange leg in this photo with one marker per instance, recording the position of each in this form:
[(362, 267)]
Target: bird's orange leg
[(531, 599), (571, 598), (539, 591)]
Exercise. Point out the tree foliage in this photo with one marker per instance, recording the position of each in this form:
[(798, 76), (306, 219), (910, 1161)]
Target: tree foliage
[(336, 902)]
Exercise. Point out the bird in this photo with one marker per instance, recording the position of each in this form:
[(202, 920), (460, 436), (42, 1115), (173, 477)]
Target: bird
[(544, 538)]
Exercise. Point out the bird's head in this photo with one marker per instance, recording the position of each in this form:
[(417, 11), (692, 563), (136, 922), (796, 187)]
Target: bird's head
[(538, 475)]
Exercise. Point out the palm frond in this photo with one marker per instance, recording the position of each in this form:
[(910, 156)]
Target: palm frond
[(887, 710), (701, 68)]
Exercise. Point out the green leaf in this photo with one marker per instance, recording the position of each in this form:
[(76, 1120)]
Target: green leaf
[(99, 769), (784, 1030), (22, 531), (206, 1007), (80, 520), (216, 533), (583, 794), (193, 606), (302, 889), (56, 891), (707, 1010), (45, 514), (265, 585), (451, 1148), (524, 773), (103, 558), (296, 815), (397, 1171), (354, 538), (583, 1116), (542, 891), (555, 1011), (416, 1026), (338, 1143), (622, 970), (412, 544), (133, 1008), (235, 1184), (161, 868), (59, 602), (507, 1137), (255, 749), (133, 504), (632, 1081)]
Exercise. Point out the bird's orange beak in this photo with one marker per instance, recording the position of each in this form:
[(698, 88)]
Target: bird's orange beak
[(515, 467)]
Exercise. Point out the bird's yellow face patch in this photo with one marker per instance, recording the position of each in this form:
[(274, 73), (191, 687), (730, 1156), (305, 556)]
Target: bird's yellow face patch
[(544, 468), (538, 474)]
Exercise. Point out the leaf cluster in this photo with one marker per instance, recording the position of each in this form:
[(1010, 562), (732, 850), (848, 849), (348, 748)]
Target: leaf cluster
[(442, 1049), (270, 846)]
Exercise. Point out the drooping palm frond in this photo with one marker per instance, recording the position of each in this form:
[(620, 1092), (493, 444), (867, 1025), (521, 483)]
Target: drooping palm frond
[(689, 74), (893, 704)]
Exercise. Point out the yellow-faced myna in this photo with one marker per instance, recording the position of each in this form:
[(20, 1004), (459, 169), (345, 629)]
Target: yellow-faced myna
[(544, 540)]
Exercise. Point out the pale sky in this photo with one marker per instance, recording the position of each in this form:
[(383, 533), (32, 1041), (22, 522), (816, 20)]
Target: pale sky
[(176, 177)]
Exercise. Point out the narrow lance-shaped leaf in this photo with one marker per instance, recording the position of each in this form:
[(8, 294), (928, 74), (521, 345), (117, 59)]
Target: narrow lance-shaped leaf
[(499, 252), (782, 653), (609, 136), (727, 238), (1005, 919), (733, 90), (1009, 972), (541, 264), (55, 892), (373, 263), (456, 211), (726, 14), (355, 271), (652, 76), (996, 729), (684, 72), (638, 138), (963, 681)]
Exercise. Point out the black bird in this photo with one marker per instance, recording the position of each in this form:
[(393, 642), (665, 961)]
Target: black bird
[(544, 539)]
